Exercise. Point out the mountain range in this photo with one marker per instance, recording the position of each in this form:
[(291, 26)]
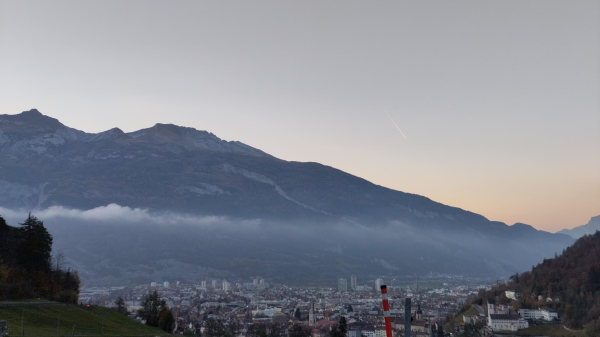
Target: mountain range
[(590, 228), (207, 207)]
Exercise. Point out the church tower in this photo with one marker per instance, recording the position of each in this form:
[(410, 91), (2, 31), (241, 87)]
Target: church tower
[(312, 321)]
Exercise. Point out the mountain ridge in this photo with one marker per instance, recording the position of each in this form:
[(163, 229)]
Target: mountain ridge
[(167, 168), (159, 133), (168, 134), (590, 228)]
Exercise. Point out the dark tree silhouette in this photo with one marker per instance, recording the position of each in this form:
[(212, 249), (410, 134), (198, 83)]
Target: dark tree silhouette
[(213, 328), (25, 265), (166, 320), (121, 305), (340, 329), (298, 330), (35, 249), (151, 307)]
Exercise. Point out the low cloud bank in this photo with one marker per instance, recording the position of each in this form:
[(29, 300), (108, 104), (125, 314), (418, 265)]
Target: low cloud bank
[(123, 214)]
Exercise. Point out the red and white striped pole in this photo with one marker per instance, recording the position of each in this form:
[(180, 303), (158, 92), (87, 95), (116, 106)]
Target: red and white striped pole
[(386, 311)]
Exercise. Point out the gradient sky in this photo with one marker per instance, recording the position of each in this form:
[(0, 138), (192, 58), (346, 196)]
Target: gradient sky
[(499, 101)]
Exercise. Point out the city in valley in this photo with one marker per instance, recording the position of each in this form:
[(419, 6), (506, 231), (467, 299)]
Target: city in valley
[(300, 168), (246, 306)]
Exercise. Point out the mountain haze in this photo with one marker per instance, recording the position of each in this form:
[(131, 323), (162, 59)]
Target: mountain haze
[(307, 218), (590, 228)]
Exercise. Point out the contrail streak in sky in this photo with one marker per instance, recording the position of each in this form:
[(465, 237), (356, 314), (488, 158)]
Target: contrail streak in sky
[(395, 125)]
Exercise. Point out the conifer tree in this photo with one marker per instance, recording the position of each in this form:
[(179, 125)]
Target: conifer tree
[(35, 246)]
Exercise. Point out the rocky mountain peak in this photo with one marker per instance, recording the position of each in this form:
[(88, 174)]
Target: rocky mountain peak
[(34, 118), (590, 228), (190, 138), (33, 132), (169, 132), (32, 113), (112, 134)]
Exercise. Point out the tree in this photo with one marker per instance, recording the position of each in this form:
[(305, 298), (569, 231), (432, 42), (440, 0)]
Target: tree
[(4, 239), (232, 329), (297, 314), (297, 330), (449, 323), (516, 305), (166, 320), (35, 247), (151, 307), (350, 309), (121, 305), (4, 227), (341, 329), (26, 266), (274, 330), (213, 328), (59, 259)]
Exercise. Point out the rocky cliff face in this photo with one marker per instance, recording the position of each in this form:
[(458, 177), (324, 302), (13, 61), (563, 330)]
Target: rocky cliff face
[(168, 168)]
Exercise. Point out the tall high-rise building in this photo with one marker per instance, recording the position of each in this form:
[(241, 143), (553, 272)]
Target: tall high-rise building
[(226, 285), (378, 283), (203, 284), (353, 282), (214, 284), (256, 281), (312, 320), (342, 285), (166, 284)]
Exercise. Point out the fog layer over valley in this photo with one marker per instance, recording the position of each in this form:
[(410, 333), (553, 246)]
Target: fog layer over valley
[(115, 245), (171, 202)]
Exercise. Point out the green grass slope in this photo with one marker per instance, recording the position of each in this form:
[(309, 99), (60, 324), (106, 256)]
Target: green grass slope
[(58, 320)]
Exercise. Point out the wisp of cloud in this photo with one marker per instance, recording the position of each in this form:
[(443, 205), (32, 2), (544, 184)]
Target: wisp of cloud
[(117, 213)]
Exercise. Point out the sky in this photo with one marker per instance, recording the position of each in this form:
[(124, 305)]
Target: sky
[(493, 107)]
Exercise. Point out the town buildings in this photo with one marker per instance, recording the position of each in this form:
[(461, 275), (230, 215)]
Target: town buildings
[(502, 318), (256, 302), (543, 314), (342, 285), (225, 286)]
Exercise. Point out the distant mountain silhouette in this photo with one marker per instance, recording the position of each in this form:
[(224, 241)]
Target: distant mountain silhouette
[(590, 228), (168, 168)]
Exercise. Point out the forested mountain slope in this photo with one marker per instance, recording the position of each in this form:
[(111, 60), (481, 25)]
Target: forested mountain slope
[(568, 283)]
